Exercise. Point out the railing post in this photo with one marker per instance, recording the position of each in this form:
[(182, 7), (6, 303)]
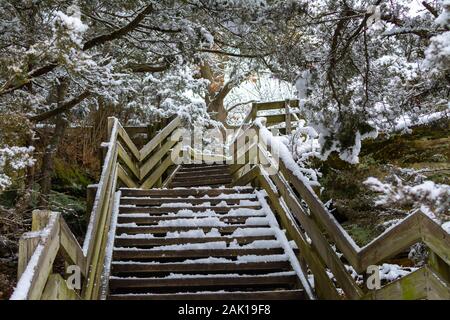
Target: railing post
[(91, 191), (287, 108), (439, 265), (27, 245), (254, 111)]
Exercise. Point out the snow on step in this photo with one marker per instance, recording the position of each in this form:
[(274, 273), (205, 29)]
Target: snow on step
[(203, 239)]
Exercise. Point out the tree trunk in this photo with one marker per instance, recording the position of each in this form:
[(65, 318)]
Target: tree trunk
[(47, 161)]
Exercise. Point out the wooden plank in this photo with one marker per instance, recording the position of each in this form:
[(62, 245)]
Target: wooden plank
[(40, 219), (45, 255), (134, 130), (202, 179), (202, 173), (324, 287), (170, 177), (204, 253), (129, 143), (199, 183), (156, 220), (156, 157), (438, 287), (319, 241), (201, 267), (248, 177), (411, 287), (70, 248), (94, 248), (262, 106), (151, 242), (275, 119), (103, 285), (101, 243), (125, 178), (189, 167), (57, 289), (90, 198), (183, 192), (101, 196), (165, 210), (439, 266), (297, 294), (123, 155), (163, 230), (334, 230), (288, 117), (27, 244), (153, 178), (245, 281), (434, 236), (163, 134), (390, 242), (160, 201)]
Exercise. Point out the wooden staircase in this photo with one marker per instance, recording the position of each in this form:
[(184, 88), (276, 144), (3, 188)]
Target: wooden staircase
[(201, 243), (196, 175), (203, 238)]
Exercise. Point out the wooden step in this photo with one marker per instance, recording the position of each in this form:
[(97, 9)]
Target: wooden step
[(159, 201), (215, 183), (166, 193), (207, 170), (166, 210), (204, 282), (214, 166), (201, 267), (163, 229), (201, 175), (125, 253), (156, 220), (297, 294), (151, 242)]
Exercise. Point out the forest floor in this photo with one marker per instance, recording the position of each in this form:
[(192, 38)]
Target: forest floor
[(427, 149)]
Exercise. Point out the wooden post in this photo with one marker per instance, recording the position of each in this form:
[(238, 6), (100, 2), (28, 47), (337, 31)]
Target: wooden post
[(27, 245), (90, 198), (57, 289), (287, 108), (40, 219), (439, 266), (254, 111)]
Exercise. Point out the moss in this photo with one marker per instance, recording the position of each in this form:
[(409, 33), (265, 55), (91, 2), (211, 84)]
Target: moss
[(408, 289), (71, 178), (362, 234)]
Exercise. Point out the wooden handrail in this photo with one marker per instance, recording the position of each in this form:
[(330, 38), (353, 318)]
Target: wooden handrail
[(123, 164), (37, 252), (320, 253)]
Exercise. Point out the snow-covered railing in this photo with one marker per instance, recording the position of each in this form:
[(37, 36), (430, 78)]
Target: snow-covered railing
[(281, 112), (321, 239), (123, 165), (38, 249)]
